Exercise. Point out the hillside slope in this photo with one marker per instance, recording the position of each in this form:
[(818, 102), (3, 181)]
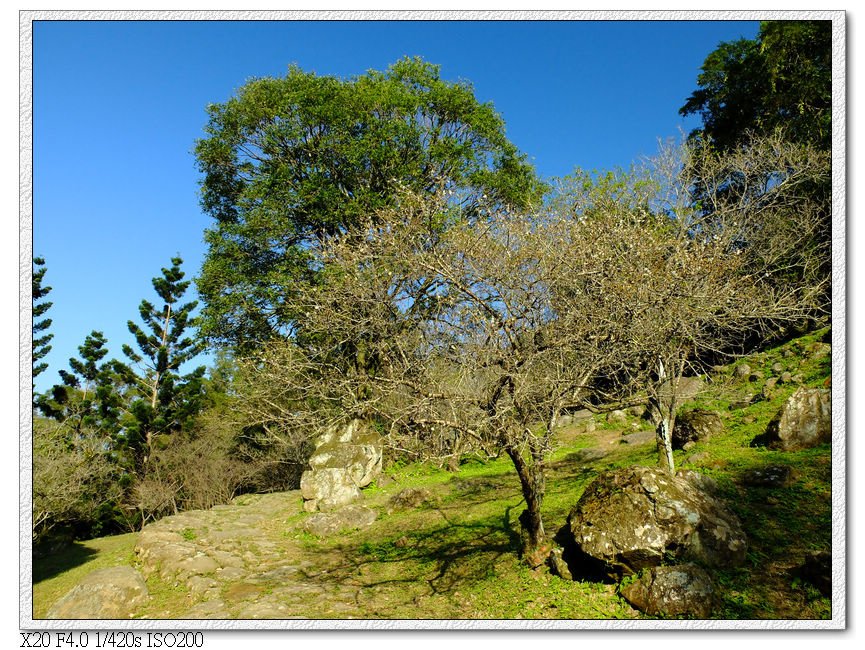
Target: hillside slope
[(455, 555)]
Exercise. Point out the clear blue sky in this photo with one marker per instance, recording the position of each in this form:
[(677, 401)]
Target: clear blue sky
[(117, 107)]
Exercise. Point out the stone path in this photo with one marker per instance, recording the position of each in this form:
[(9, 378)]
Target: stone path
[(245, 560)]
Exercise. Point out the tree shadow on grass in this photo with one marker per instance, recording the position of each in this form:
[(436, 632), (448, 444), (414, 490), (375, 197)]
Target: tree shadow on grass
[(393, 573), (47, 565)]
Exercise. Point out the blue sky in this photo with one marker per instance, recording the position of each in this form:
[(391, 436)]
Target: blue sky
[(117, 107)]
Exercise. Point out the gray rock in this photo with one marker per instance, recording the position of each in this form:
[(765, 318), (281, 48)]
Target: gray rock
[(345, 460), (409, 498), (617, 416), (558, 566), (639, 438), (700, 481), (200, 564), (818, 350), (686, 389), (329, 487), (347, 518), (804, 421), (113, 593), (771, 476), (209, 609), (785, 378), (743, 402), (742, 370), (159, 553), (635, 518), (672, 591), (697, 458), (778, 368), (361, 462), (696, 426)]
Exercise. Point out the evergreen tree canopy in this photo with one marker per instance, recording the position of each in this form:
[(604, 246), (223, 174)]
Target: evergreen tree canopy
[(41, 345), (89, 395), (783, 78), (293, 159), (164, 400)]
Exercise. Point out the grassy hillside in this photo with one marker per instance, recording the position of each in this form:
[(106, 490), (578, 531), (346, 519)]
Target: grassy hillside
[(457, 556)]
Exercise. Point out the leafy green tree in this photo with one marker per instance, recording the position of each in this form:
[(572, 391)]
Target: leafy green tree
[(41, 345), (89, 395), (783, 78), (290, 160), (163, 400)]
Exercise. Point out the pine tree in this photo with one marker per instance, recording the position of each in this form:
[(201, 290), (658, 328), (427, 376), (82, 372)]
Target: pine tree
[(88, 395), (40, 343), (165, 400)]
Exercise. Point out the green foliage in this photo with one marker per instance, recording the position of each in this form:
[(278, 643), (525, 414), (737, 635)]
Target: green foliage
[(289, 160), (89, 395), (41, 345), (783, 78), (162, 400)]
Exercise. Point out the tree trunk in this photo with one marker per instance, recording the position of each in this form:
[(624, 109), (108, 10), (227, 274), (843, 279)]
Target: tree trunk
[(664, 433), (533, 538)]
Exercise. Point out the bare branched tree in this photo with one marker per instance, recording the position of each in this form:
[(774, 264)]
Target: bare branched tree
[(427, 323), (74, 476), (693, 282)]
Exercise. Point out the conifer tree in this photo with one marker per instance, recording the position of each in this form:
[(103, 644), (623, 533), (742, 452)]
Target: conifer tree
[(88, 395), (165, 400), (41, 345)]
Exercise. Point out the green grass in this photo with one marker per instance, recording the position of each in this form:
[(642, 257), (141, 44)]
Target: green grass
[(459, 557), (55, 575)]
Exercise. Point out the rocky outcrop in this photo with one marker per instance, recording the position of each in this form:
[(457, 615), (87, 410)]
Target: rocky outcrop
[(636, 518), (353, 516), (696, 426), (344, 461), (671, 591), (804, 421), (113, 593)]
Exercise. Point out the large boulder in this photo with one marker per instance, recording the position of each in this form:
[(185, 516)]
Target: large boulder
[(350, 517), (345, 460), (804, 421), (672, 591), (112, 593), (328, 488), (696, 426), (636, 518)]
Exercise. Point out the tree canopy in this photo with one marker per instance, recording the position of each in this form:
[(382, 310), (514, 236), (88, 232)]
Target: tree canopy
[(164, 400), (41, 345), (783, 78), (288, 160)]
